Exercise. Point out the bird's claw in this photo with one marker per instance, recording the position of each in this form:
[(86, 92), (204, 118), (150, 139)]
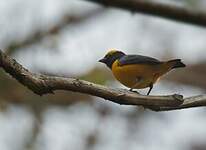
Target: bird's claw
[(131, 90)]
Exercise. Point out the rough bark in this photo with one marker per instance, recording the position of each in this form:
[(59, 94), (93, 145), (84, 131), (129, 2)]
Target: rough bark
[(42, 84)]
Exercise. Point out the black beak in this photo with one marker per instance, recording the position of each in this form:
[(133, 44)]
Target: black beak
[(103, 60)]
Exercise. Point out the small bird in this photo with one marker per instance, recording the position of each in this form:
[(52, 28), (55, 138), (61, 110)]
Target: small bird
[(137, 71)]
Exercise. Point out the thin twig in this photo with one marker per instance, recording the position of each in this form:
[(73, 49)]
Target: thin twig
[(39, 34), (157, 9)]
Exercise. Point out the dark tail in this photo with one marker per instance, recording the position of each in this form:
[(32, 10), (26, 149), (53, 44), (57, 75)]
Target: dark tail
[(176, 63)]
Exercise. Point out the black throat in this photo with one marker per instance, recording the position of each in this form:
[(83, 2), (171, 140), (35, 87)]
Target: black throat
[(113, 58)]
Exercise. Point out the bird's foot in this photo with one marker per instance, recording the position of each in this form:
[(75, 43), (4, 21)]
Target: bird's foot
[(133, 91)]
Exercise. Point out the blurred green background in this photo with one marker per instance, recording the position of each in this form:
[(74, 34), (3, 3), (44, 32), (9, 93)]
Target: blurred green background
[(67, 38)]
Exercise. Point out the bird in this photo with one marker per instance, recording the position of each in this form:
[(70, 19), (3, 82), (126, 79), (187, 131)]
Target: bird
[(138, 71)]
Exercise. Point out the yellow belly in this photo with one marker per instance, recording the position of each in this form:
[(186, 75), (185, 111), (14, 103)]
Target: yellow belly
[(137, 76)]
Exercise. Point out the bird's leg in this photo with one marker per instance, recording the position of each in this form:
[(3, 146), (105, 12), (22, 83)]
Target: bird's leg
[(131, 89), (150, 88), (138, 80)]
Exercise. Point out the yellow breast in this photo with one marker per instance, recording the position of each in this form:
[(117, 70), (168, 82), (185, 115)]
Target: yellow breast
[(129, 75)]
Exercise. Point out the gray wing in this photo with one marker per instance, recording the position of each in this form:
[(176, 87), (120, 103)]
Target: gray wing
[(138, 59)]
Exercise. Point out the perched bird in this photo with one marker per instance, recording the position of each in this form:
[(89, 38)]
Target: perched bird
[(137, 71)]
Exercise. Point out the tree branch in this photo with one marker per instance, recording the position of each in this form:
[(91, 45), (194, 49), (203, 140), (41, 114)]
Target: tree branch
[(194, 101), (42, 84), (156, 9), (39, 34)]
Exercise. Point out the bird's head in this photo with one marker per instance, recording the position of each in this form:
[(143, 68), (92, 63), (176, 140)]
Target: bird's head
[(111, 56)]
